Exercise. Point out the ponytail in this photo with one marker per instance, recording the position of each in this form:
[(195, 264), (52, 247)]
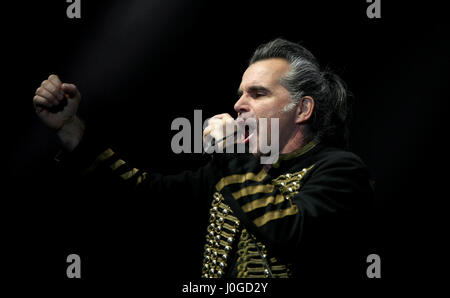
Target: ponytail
[(340, 109)]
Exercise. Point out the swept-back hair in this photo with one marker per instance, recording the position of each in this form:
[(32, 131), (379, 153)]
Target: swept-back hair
[(330, 118)]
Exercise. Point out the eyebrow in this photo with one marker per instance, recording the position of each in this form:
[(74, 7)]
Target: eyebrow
[(255, 88)]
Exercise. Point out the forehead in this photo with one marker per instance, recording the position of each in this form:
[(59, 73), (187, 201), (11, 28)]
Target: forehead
[(265, 72)]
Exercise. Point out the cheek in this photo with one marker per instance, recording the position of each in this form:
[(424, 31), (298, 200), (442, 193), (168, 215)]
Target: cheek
[(286, 123), (284, 120), (275, 110), (266, 112)]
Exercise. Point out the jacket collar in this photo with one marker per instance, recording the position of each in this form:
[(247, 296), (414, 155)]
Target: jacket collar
[(297, 153)]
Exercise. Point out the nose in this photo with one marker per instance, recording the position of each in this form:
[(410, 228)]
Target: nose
[(242, 105)]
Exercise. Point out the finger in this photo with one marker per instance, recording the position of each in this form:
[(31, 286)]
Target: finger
[(214, 122), (221, 116), (207, 131), (228, 121), (39, 110), (46, 94), (40, 101), (230, 125), (55, 80), (57, 92), (70, 89)]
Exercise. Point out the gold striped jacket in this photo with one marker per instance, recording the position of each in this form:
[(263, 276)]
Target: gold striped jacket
[(262, 223)]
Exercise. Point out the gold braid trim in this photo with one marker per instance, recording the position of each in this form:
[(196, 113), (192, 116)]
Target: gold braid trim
[(240, 178), (289, 184), (222, 229), (108, 153), (251, 263)]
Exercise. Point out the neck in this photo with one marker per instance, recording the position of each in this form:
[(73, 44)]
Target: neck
[(294, 142)]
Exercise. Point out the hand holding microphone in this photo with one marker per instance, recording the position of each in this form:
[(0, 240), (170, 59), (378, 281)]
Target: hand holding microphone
[(220, 128)]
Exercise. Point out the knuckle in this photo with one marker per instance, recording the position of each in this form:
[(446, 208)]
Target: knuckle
[(47, 85)]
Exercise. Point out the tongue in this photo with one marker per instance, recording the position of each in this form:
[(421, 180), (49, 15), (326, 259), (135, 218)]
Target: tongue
[(245, 135)]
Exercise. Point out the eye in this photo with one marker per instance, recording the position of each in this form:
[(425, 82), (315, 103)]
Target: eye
[(257, 94)]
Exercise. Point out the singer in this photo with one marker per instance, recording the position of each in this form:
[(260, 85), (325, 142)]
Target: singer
[(299, 216)]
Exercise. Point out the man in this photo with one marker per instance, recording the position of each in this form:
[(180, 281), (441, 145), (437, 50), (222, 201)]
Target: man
[(299, 216)]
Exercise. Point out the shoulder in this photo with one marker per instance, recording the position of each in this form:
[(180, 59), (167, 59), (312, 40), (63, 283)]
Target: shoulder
[(330, 156), (339, 176), (337, 168)]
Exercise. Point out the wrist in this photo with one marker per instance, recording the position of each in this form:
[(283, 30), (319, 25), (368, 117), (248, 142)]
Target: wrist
[(70, 133)]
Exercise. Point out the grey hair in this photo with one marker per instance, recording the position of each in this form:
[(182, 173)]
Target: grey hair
[(331, 114)]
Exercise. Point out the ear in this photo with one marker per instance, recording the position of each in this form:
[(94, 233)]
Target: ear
[(304, 109)]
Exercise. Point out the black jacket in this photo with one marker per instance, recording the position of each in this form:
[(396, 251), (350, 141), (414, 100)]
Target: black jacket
[(305, 217)]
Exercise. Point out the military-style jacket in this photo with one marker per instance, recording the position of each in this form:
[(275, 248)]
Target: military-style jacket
[(305, 216)]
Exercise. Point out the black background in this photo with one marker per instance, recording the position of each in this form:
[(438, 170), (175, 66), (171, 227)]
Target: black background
[(141, 64)]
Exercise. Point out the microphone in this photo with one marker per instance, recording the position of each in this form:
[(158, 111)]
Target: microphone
[(214, 142)]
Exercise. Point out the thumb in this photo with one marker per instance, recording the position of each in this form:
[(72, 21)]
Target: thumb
[(71, 90)]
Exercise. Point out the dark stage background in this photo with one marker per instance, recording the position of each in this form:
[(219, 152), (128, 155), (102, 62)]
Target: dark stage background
[(140, 64)]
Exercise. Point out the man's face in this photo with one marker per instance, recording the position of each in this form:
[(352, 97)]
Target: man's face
[(262, 96)]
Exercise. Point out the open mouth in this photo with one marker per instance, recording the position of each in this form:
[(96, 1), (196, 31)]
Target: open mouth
[(248, 133)]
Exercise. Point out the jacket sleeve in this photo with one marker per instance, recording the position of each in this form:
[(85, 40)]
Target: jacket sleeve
[(97, 162)]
